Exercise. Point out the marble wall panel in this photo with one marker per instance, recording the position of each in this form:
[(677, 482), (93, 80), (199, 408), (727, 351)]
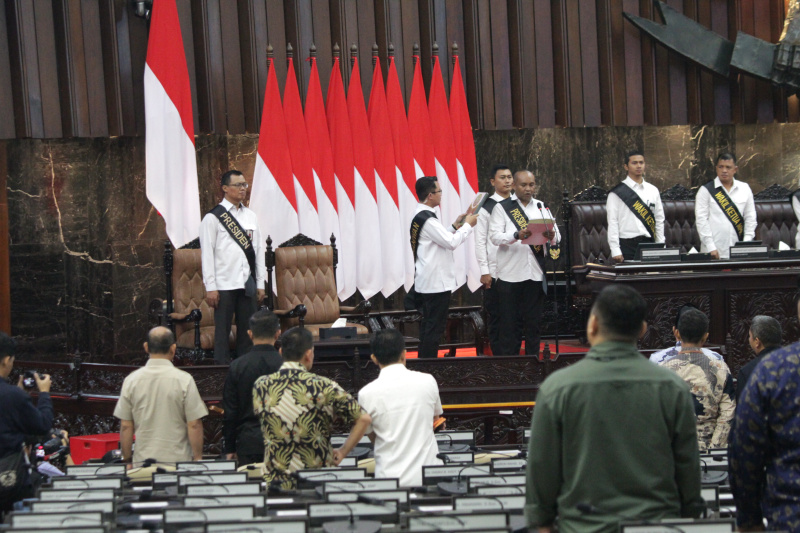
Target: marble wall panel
[(790, 155), (758, 151), (669, 156)]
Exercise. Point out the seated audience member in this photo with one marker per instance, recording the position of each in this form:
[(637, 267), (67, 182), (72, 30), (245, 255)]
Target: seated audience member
[(161, 405), (764, 450), (709, 380), (613, 432), (403, 405), (668, 353), (297, 408), (765, 337), (240, 427)]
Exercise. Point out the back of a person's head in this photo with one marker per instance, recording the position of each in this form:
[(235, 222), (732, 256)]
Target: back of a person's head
[(8, 346), (685, 307), (767, 330), (295, 343), (264, 324), (159, 340), (620, 311), (692, 325), (387, 345)]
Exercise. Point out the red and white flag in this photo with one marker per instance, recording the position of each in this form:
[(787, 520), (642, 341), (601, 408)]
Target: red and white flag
[(445, 156), (368, 231), (273, 196), (467, 166), (419, 124), (404, 163), (341, 138), (322, 164), (170, 160), (304, 188), (386, 182)]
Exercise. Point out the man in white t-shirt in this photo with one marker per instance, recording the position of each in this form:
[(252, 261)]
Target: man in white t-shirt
[(403, 405)]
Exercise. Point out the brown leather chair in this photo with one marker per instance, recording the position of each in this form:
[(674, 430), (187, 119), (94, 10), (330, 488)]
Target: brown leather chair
[(305, 275)]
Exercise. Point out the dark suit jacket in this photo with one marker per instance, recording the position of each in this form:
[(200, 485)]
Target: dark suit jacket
[(240, 425), (746, 370)]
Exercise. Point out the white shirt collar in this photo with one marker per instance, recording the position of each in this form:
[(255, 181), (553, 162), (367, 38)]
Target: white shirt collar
[(630, 182), (228, 205), (393, 369), (718, 183)]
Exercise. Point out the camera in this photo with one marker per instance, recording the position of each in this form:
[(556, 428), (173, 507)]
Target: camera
[(29, 379)]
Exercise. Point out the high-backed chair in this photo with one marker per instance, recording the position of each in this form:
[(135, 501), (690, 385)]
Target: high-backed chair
[(305, 275)]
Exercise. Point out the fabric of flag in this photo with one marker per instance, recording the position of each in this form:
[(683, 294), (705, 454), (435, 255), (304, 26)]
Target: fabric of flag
[(341, 138), (404, 163), (369, 266), (445, 156), (170, 160), (304, 187), (419, 125), (466, 163), (322, 165), (386, 183), (273, 194)]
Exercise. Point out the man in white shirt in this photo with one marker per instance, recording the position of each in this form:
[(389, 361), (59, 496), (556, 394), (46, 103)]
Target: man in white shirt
[(634, 210), (486, 252), (403, 405), (434, 265), (233, 265), (796, 209), (724, 210), (520, 272)]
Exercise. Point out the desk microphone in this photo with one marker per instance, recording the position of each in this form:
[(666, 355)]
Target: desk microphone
[(715, 477), (589, 509), (352, 525), (457, 487)]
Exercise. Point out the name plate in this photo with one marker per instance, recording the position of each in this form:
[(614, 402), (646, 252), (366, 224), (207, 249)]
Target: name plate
[(365, 485), (177, 515), (205, 466), (104, 506), (492, 503), (400, 496), (483, 481), (258, 501), (218, 490), (348, 462), (118, 469), (88, 483), (506, 465), (63, 519), (319, 513), (330, 474), (458, 522), (749, 252), (500, 490), (51, 495), (338, 440), (434, 474), (661, 255), (455, 437), (211, 479), (261, 526), (456, 457)]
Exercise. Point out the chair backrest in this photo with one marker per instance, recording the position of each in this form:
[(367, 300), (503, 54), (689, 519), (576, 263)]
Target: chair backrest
[(188, 291), (776, 222), (305, 275)]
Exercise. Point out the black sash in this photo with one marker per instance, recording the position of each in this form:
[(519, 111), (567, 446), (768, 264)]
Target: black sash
[(489, 204), (725, 203), (520, 221), (416, 227), (637, 206), (239, 235)]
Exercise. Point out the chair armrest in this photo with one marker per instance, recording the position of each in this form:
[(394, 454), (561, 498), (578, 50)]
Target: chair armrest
[(157, 310), (195, 315), (364, 306), (298, 311)]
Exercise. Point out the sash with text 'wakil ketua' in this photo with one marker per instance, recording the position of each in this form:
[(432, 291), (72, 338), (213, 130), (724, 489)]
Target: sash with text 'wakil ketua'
[(416, 227), (241, 237), (728, 207), (637, 206)]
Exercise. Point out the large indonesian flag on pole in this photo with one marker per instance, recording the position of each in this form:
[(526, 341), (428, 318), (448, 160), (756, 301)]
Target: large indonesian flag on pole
[(404, 163), (171, 163), (386, 182), (465, 159), (273, 197), (419, 125), (368, 231)]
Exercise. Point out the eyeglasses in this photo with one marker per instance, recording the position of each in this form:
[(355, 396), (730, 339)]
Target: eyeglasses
[(242, 185), (437, 192)]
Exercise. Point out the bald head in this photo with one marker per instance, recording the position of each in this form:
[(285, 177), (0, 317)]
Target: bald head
[(160, 342), (524, 185)]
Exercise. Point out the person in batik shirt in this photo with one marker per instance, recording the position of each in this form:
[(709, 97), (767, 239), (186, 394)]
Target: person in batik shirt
[(297, 408)]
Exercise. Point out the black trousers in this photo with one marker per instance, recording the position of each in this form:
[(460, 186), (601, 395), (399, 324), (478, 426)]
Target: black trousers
[(520, 305), (490, 303), (230, 303), (250, 459), (434, 308), (628, 246)]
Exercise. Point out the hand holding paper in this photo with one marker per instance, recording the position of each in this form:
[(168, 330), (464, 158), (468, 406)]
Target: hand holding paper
[(541, 229)]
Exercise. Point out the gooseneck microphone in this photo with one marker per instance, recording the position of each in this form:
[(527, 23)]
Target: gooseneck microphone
[(555, 285), (352, 525)]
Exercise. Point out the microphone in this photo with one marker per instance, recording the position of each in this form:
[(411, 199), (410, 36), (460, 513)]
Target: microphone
[(351, 526), (450, 448), (589, 509), (457, 487), (444, 457), (715, 477)]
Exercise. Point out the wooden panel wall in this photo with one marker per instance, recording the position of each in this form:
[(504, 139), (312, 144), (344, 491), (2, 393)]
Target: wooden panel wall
[(74, 68)]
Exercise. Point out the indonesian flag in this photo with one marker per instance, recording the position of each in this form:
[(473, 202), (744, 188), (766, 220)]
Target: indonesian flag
[(445, 157), (368, 231), (171, 163), (386, 182), (273, 195), (341, 138), (304, 188), (465, 161), (419, 124), (322, 164)]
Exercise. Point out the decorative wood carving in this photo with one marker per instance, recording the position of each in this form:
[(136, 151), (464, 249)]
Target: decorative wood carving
[(678, 192), (659, 331), (773, 192), (300, 240), (591, 194), (191, 245)]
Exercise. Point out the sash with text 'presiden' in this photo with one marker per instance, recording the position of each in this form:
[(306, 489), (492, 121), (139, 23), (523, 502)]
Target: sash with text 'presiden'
[(244, 241), (520, 221), (728, 207), (637, 206)]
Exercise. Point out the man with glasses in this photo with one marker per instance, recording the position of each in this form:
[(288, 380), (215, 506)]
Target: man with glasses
[(233, 265)]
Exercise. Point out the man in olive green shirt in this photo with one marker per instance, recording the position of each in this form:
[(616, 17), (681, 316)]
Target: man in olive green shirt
[(614, 435)]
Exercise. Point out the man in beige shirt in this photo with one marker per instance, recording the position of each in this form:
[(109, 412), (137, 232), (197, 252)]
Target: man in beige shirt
[(161, 405)]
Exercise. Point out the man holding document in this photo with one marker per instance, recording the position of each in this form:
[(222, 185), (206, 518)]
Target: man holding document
[(521, 227)]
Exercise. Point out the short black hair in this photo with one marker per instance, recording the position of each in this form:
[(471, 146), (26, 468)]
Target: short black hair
[(727, 156), (295, 343), (8, 346), (621, 311), (226, 178), (767, 330), (682, 309), (496, 168), (425, 185), (264, 324), (692, 325), (387, 345), (159, 340), (632, 153)]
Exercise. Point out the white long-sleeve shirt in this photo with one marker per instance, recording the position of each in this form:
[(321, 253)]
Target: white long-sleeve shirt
[(486, 250), (435, 268), (623, 224), (225, 266), (713, 225), (515, 260), (796, 208)]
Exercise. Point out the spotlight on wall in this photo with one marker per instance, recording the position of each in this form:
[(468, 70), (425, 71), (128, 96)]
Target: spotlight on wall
[(142, 8)]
